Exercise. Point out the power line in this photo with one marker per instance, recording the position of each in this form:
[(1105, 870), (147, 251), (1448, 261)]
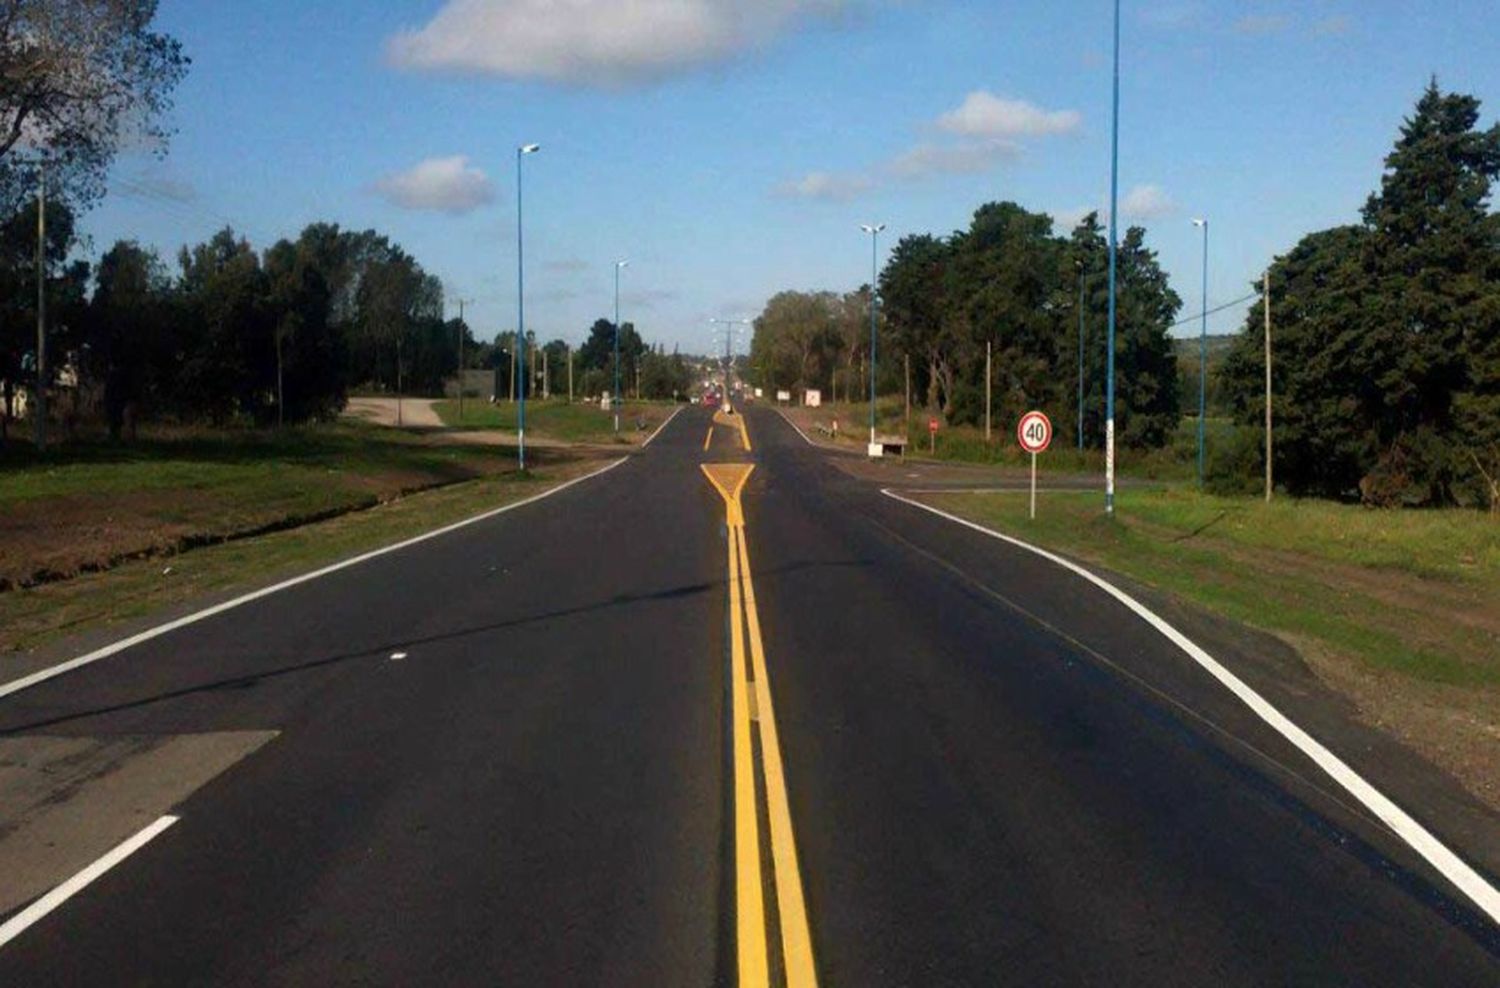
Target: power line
[(1218, 308)]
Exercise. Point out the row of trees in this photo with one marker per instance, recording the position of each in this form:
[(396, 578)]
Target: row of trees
[(1010, 283), (228, 332), (646, 372), (1386, 335)]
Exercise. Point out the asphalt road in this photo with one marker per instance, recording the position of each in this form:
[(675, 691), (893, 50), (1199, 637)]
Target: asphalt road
[(993, 775)]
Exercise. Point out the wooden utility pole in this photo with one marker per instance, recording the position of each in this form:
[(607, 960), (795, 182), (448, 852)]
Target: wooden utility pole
[(570, 375), (986, 390), (41, 306), (546, 375), (462, 332), (907, 359), (1267, 302)]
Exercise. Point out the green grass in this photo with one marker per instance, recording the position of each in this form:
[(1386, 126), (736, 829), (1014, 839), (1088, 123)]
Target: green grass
[(84, 504), (579, 422), (966, 443), (135, 590), (1396, 591)]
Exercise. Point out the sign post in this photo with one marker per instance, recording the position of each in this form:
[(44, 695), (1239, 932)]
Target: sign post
[(932, 428), (1034, 432)]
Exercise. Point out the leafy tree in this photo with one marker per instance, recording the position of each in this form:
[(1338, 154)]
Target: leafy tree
[(127, 353), (1388, 383), (77, 78), (18, 292)]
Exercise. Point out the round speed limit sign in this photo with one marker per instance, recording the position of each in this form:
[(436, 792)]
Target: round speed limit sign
[(1034, 432)]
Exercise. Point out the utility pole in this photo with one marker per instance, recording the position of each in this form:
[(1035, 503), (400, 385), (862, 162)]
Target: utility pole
[(280, 393), (463, 330), (987, 391), (41, 305), (907, 359), (398, 382), (546, 374), (570, 375), (1267, 302), (1114, 212)]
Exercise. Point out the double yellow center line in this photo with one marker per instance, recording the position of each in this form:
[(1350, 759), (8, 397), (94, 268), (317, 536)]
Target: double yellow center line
[(749, 716)]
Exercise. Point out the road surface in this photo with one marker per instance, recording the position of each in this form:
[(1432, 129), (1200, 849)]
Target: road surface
[(684, 727)]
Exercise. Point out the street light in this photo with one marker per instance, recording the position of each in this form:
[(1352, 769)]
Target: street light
[(1114, 211), (615, 399), (874, 231), (1203, 353), (521, 152), (1081, 270), (731, 326)]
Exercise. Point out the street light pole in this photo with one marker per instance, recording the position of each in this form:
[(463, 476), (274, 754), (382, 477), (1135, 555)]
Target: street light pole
[(521, 151), (1203, 353), (1114, 202), (873, 229), (615, 396)]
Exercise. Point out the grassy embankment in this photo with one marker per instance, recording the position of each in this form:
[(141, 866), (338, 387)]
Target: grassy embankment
[(1398, 609), (556, 419), (966, 443), (90, 524)]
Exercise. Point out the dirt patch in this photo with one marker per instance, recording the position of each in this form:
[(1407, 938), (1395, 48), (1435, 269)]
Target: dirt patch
[(413, 413)]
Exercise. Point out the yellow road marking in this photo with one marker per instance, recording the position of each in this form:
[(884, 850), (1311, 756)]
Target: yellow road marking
[(708, 438), (749, 905), (796, 942), (735, 422), (746, 707)]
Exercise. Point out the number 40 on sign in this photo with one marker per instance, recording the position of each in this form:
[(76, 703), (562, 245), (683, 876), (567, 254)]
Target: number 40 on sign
[(1034, 432)]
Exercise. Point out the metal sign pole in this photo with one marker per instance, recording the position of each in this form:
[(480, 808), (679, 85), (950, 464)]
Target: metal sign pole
[(1033, 486)]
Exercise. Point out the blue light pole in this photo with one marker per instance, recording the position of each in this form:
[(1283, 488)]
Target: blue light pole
[(521, 151), (615, 396), (1114, 202), (1203, 353), (874, 231)]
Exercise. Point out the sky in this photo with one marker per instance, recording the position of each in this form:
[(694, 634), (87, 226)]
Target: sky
[(730, 149)]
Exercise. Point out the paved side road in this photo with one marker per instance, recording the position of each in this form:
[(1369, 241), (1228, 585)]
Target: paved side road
[(992, 776)]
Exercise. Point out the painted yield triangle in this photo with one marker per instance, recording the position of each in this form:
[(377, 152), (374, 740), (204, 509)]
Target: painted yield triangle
[(729, 479)]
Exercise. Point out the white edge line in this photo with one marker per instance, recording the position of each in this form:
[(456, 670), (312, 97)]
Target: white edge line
[(41, 907), (794, 425), (1437, 854), (42, 675), (663, 425)]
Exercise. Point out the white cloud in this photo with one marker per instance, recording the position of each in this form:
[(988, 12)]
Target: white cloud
[(1064, 220), (828, 186), (1260, 24), (1146, 202), (449, 185), (983, 114), (594, 41), (956, 159)]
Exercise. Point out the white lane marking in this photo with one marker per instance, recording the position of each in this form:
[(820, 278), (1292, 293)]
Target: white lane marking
[(794, 425), (42, 675), (1417, 837), (397, 656), (661, 427), (41, 907)]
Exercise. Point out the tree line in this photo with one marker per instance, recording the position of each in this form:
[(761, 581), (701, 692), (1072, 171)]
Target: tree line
[(1386, 332), (1037, 299)]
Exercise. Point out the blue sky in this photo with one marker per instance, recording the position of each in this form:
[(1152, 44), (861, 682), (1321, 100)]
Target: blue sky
[(732, 149)]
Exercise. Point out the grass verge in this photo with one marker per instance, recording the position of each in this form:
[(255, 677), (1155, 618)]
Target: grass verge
[(89, 505), (1398, 609), (134, 590)]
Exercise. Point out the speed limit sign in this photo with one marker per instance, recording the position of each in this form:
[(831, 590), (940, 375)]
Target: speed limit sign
[(1034, 432)]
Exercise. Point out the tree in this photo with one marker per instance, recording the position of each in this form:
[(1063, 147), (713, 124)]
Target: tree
[(18, 290), (127, 354), (1388, 333), (78, 78)]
